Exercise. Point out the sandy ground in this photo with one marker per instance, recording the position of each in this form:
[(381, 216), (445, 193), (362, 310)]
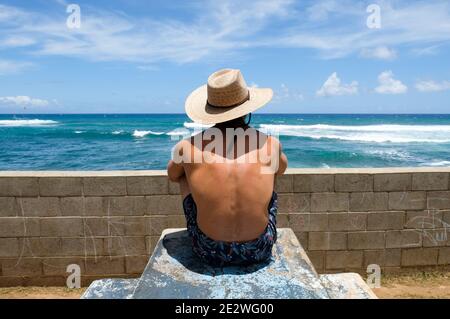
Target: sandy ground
[(418, 284)]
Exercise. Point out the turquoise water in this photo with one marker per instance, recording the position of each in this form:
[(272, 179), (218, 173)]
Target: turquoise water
[(129, 142)]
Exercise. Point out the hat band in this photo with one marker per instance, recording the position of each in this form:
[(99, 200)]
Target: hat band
[(233, 105)]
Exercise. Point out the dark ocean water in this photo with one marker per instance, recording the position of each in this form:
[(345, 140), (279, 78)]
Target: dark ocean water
[(144, 141)]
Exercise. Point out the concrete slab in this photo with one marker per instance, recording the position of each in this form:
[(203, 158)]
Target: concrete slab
[(173, 271)]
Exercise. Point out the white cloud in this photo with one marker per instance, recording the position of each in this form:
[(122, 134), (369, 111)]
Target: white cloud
[(389, 85), (17, 41), (214, 29), (432, 86), (381, 53), (287, 94), (10, 67), (333, 86), (23, 101)]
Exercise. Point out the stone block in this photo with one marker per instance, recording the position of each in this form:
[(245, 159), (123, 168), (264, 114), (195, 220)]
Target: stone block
[(333, 202), (353, 183), (363, 202), (420, 257), (88, 246), (444, 256), (60, 186), (438, 200), (137, 226), (403, 239), (383, 257), (174, 188), (366, 240), (147, 185), (317, 258), (336, 260), (104, 266), (424, 219), (436, 237), (310, 183), (22, 267), (19, 186), (347, 221), (96, 206), (19, 227), (385, 220), (176, 221), (430, 181), (104, 186), (61, 226), (327, 241), (164, 205), (9, 247), (72, 206), (407, 200), (308, 222), (293, 203), (392, 182), (135, 264), (58, 266), (124, 246), (284, 184), (157, 225), (150, 243), (8, 207), (40, 206), (282, 220), (128, 206), (97, 226), (40, 247)]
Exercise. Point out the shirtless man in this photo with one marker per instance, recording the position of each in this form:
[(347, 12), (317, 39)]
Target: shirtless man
[(228, 190)]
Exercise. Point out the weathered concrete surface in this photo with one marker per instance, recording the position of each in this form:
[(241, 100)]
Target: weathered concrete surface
[(174, 272), (111, 289), (346, 286)]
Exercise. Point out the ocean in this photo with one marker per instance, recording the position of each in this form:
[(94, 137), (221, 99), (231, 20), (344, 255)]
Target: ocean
[(144, 141)]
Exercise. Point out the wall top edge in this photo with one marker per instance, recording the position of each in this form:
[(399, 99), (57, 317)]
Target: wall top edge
[(292, 171)]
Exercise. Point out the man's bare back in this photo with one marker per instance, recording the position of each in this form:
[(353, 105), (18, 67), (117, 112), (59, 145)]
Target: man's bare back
[(232, 193)]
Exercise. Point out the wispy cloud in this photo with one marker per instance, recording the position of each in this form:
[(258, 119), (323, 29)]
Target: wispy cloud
[(333, 87), (284, 93), (381, 53), (23, 101), (432, 86), (220, 28), (11, 67), (389, 85)]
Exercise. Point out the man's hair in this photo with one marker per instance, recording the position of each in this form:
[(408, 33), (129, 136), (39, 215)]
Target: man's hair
[(234, 123)]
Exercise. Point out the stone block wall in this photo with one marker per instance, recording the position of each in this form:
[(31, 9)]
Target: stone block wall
[(108, 222)]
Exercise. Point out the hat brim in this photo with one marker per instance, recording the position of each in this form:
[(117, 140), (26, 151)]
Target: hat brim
[(199, 111)]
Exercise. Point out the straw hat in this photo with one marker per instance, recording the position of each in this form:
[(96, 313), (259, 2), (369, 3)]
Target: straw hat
[(225, 97)]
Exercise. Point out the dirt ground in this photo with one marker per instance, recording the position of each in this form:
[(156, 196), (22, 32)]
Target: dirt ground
[(416, 284)]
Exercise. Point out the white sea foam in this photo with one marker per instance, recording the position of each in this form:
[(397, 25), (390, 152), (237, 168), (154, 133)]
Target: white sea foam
[(34, 122), (195, 125), (79, 132), (117, 132), (438, 164), (366, 133), (179, 132), (139, 134)]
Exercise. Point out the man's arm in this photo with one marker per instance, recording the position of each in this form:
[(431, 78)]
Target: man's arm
[(175, 169)]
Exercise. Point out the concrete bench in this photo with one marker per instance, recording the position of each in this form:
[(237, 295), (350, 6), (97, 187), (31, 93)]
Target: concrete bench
[(173, 271)]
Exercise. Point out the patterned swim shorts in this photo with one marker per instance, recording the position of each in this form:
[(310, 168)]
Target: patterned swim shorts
[(220, 253)]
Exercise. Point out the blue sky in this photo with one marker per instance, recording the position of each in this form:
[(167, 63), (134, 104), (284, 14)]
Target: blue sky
[(147, 56)]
